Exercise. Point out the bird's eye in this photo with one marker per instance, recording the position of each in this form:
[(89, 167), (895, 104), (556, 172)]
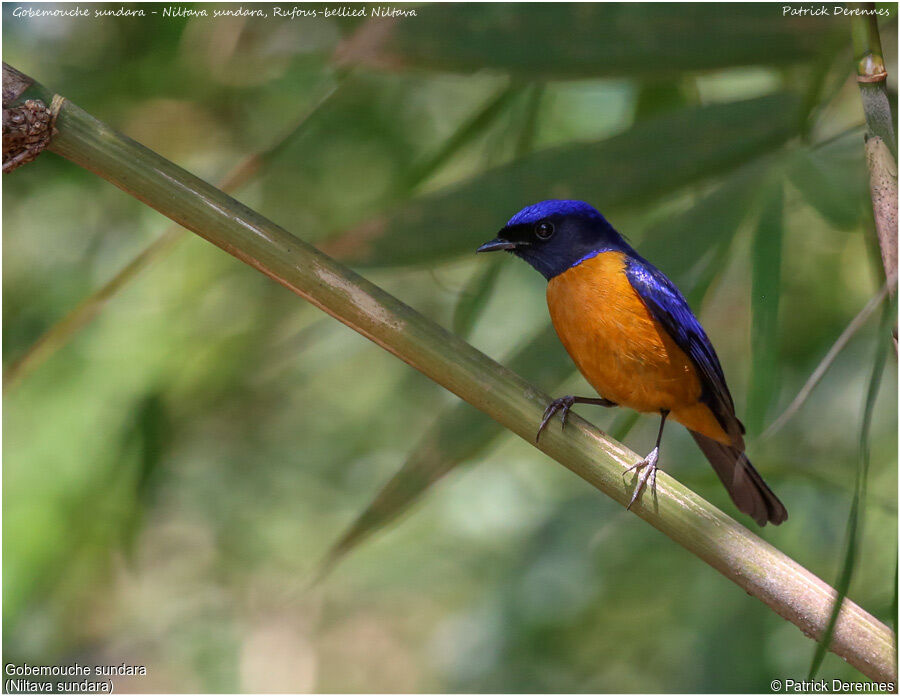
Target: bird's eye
[(544, 230)]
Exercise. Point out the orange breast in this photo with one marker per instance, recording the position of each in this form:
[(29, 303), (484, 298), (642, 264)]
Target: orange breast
[(618, 346)]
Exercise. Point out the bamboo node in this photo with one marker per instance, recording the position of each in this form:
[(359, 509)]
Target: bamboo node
[(870, 68), (874, 77), (27, 129)]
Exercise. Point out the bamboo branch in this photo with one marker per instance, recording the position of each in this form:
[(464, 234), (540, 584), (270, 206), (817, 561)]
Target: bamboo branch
[(753, 564)]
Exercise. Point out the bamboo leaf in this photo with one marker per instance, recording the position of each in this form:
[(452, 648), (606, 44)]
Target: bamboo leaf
[(359, 155), (677, 243), (766, 294), (831, 179), (857, 507), (585, 40), (656, 97), (474, 297), (146, 437), (685, 147), (477, 292), (532, 110), (465, 134)]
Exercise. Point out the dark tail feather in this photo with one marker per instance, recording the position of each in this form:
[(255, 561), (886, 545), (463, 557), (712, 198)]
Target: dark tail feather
[(744, 484)]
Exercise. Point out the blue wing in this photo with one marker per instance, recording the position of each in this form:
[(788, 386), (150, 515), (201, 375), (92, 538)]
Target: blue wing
[(671, 310)]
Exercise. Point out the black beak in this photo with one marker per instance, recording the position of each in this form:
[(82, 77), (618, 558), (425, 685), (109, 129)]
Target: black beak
[(497, 245)]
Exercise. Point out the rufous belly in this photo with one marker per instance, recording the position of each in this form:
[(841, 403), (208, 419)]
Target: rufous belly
[(620, 349)]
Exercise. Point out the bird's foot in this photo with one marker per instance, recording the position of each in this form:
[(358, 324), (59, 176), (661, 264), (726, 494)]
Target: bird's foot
[(563, 403), (647, 468)]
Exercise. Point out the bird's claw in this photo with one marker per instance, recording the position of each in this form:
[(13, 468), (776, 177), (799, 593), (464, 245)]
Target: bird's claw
[(649, 467), (564, 403)]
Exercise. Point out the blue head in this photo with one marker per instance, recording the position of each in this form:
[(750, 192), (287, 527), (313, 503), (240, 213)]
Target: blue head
[(555, 235)]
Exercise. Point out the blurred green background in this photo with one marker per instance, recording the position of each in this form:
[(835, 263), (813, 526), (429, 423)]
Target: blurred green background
[(175, 474)]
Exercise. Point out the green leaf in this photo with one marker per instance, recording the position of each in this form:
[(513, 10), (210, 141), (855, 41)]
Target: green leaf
[(465, 134), (652, 158), (676, 244), (460, 433), (831, 179), (533, 101), (477, 292), (147, 436), (556, 40), (474, 296), (857, 507), (656, 97), (766, 293), (362, 154)]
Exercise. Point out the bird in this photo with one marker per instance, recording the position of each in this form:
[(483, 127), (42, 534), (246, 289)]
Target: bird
[(632, 335)]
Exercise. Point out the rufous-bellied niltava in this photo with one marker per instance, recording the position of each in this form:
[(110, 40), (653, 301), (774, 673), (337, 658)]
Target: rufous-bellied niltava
[(636, 341)]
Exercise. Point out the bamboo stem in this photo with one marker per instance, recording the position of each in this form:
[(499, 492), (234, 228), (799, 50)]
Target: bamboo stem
[(881, 141), (883, 189), (753, 564), (871, 74)]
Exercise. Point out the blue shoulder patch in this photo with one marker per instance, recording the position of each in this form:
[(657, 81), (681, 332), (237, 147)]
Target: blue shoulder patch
[(669, 308), (539, 211)]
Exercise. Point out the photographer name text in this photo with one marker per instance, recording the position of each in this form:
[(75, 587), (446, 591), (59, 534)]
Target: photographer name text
[(835, 686), (830, 11)]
